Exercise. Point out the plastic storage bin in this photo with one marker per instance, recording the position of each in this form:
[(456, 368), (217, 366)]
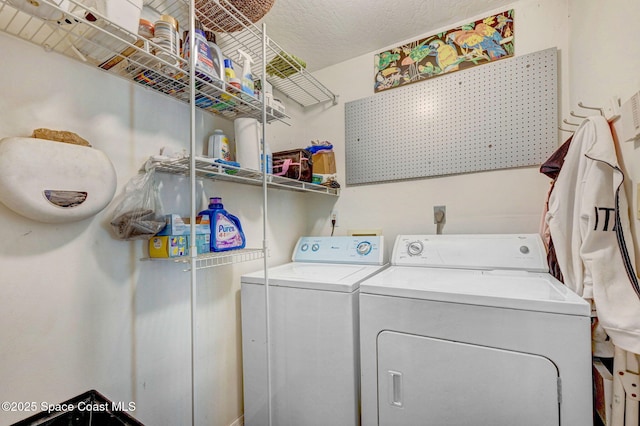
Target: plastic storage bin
[(294, 164)]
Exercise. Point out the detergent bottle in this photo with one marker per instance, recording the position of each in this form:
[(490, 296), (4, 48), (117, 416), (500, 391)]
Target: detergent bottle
[(218, 146), (216, 56), (226, 230), (266, 158), (246, 79), (229, 72), (204, 63)]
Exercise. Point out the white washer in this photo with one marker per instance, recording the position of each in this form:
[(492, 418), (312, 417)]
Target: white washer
[(471, 330), (314, 333)]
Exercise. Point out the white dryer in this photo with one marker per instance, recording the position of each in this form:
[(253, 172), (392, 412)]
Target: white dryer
[(472, 330), (314, 339)]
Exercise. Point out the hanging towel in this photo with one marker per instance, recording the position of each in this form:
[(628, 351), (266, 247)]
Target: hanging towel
[(588, 220)]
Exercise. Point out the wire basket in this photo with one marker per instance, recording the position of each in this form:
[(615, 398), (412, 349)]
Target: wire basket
[(285, 65), (220, 19)]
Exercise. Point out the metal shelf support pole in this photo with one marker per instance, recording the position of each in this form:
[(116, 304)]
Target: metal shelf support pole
[(265, 245), (192, 180)]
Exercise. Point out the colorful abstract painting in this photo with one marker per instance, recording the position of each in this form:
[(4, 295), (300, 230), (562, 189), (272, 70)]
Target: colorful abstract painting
[(476, 43)]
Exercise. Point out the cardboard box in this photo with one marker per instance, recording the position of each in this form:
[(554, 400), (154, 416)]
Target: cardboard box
[(174, 239), (168, 246), (176, 225), (203, 243), (320, 179), (324, 162), (603, 391)]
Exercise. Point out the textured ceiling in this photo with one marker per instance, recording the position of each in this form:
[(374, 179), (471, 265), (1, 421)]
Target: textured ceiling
[(327, 32)]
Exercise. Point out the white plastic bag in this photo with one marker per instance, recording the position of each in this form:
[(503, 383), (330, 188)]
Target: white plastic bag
[(139, 215)]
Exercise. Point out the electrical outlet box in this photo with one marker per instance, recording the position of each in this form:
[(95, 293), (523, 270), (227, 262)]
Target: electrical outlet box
[(439, 214)]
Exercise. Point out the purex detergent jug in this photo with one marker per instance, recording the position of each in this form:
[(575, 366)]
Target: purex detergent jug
[(226, 230)]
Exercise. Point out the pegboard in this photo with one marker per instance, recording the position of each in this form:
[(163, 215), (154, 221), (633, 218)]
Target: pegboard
[(495, 116)]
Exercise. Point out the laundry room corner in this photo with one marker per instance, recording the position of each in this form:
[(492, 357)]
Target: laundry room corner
[(509, 200), (217, 280)]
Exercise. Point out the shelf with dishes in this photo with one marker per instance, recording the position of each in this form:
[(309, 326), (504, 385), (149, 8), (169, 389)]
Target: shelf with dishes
[(208, 168), (106, 40)]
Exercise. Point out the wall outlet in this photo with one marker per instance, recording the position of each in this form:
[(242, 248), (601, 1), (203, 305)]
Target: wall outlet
[(439, 214), (334, 216)]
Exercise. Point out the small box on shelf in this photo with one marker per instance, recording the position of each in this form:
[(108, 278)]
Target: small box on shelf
[(173, 239)]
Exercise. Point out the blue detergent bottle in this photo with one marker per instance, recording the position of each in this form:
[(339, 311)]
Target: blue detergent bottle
[(226, 230)]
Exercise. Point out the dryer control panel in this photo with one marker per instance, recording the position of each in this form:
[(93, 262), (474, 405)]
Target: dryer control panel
[(356, 250), (478, 251)]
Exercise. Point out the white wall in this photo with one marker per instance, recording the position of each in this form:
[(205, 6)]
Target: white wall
[(487, 202), (609, 70), (80, 310)]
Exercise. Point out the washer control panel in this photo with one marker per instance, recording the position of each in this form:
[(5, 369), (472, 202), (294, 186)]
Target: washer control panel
[(367, 250), (415, 248), (477, 251)]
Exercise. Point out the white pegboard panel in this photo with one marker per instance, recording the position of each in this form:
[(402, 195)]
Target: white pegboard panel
[(495, 116)]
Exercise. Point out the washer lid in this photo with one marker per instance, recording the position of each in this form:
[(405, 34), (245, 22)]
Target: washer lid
[(521, 290), (315, 276)]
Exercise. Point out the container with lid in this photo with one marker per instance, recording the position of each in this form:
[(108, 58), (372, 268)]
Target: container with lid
[(145, 29), (226, 230), (218, 146), (167, 38), (216, 55), (229, 72), (203, 62)]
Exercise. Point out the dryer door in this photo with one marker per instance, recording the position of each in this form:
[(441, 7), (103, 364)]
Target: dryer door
[(427, 381)]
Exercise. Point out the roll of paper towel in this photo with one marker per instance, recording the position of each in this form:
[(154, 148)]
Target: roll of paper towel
[(248, 136)]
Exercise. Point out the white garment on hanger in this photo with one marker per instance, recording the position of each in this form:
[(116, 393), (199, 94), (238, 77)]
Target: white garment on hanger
[(589, 222)]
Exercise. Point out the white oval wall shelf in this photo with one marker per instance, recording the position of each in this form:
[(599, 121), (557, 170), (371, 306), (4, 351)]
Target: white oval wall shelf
[(54, 182)]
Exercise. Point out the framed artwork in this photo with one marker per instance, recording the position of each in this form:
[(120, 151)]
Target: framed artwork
[(463, 47)]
